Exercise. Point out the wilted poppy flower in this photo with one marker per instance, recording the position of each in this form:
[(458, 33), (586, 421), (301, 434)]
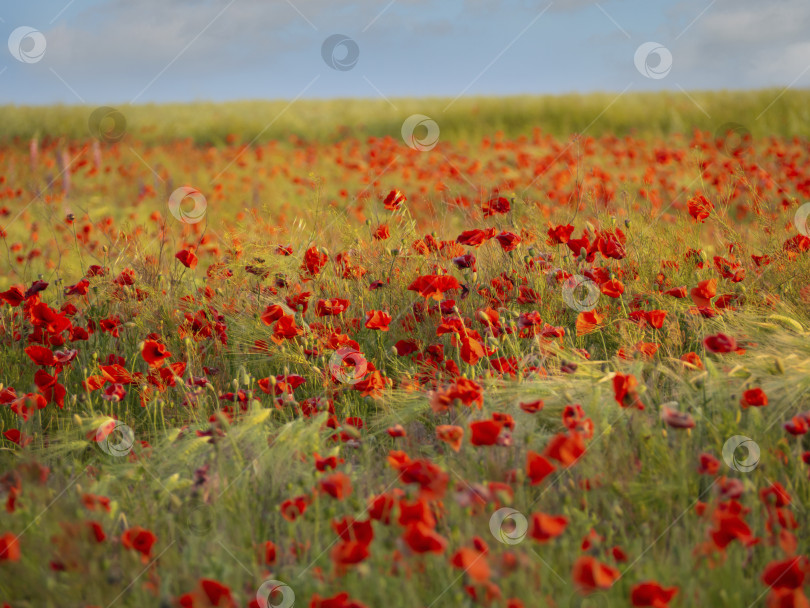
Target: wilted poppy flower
[(677, 419)]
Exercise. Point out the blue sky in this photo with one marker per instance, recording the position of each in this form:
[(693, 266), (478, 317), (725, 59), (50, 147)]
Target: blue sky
[(124, 51)]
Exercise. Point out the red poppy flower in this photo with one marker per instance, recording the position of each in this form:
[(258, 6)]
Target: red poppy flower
[(786, 574), (565, 448), (293, 508), (532, 407), (154, 353), (9, 548), (624, 391), (16, 436), (720, 343), (699, 208), (187, 258), (314, 261), (431, 479), (754, 397), (337, 485), (394, 200), (559, 235), (545, 527), (612, 289), (434, 286), (423, 539), (272, 314), (285, 329), (508, 241), (377, 319), (14, 296), (472, 562), (588, 321), (692, 359), (704, 292), (140, 540), (709, 465), (40, 355), (497, 205), (381, 233), (341, 600), (475, 238), (471, 350), (538, 467), (484, 432), (451, 435), (650, 593), (590, 574)]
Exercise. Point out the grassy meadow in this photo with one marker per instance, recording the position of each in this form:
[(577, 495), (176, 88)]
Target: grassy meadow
[(540, 351)]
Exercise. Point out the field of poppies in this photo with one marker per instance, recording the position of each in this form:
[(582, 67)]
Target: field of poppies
[(412, 367)]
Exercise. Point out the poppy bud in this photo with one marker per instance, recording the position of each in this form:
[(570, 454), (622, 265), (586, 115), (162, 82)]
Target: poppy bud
[(626, 223), (780, 367)]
